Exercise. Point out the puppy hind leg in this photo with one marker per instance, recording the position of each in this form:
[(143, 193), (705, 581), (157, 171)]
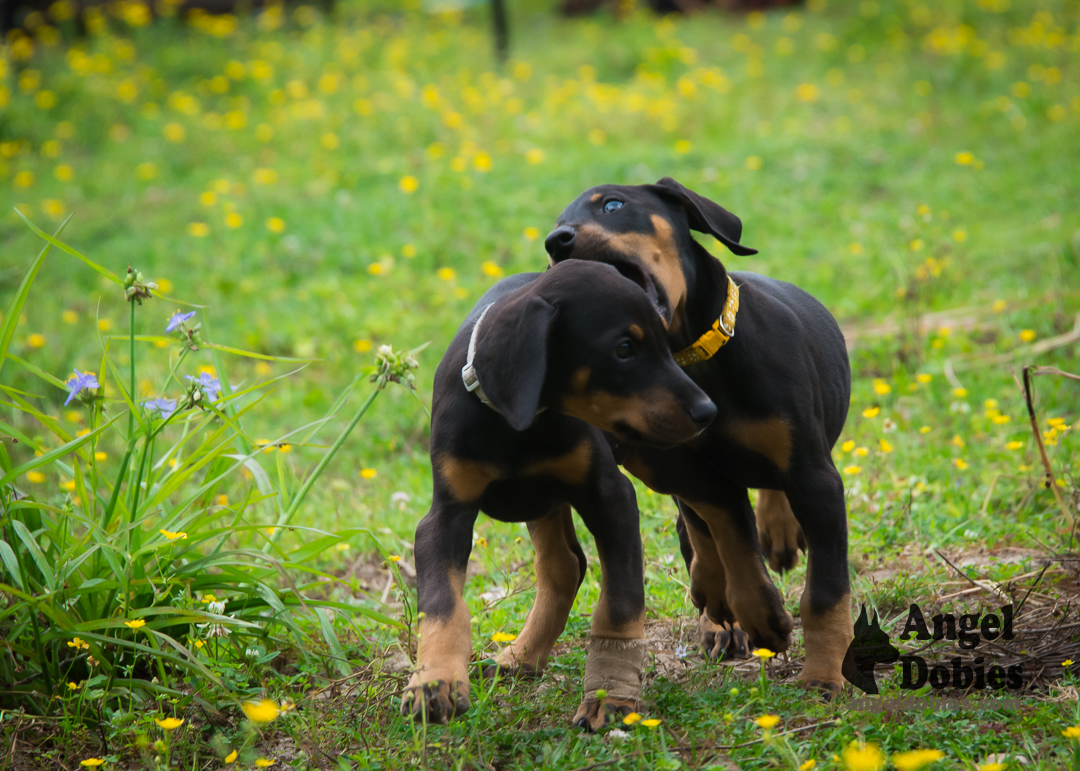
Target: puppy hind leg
[(560, 569), (780, 534)]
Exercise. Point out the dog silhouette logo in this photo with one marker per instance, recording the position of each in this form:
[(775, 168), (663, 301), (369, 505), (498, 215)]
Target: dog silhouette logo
[(870, 647)]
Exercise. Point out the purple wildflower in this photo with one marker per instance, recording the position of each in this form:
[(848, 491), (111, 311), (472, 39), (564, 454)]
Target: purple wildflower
[(208, 384), (682, 651), (80, 381), (165, 407), (177, 319)]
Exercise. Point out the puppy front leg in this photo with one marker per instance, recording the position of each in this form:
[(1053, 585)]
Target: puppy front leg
[(439, 687)]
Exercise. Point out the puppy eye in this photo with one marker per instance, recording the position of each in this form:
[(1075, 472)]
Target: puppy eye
[(611, 206), (624, 350)]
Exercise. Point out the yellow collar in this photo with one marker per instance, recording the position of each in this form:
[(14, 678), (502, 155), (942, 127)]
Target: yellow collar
[(723, 329)]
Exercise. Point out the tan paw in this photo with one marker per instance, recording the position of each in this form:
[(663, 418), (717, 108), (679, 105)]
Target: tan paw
[(594, 714), (828, 689), (438, 700), (723, 641), (779, 532), (510, 672)]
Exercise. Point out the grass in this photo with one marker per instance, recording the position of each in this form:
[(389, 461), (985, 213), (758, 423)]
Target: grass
[(324, 188)]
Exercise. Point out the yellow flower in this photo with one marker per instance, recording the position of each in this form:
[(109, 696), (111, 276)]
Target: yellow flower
[(233, 220), (964, 158), (1055, 422), (222, 500), (861, 452), (78, 642), (807, 92), (265, 176), (361, 346), (35, 477), (491, 269), (408, 251), (534, 156), (1000, 419), (501, 637), (852, 470), (446, 274), (884, 446), (753, 163), (916, 759), (397, 558), (408, 184), (172, 536), (1072, 733), (683, 146), (1015, 445), (960, 463), (532, 233), (871, 412), (767, 721), (69, 317), (808, 765), (1027, 335), (64, 173), (198, 229), (146, 171), (848, 446), (36, 340), (960, 393), (263, 711), (763, 653), (73, 686), (960, 236), (264, 763), (868, 758), (368, 473), (881, 387), (136, 624), (275, 225), (1065, 663), (992, 767), (924, 378), (91, 762), (231, 757), (174, 132), (632, 718), (169, 723), (651, 722)]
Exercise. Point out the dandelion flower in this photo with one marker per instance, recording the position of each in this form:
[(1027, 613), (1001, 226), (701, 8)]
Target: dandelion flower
[(884, 446), (767, 721), (231, 757), (368, 473), (916, 759), (503, 637), (531, 233), (852, 470), (408, 184), (169, 723), (275, 225), (136, 624), (871, 412), (35, 477), (1027, 335), (1072, 733), (924, 378), (808, 765), (173, 536), (651, 722), (868, 758), (491, 269), (1065, 663), (992, 767), (264, 763), (763, 653), (263, 711), (91, 762), (881, 387), (632, 718)]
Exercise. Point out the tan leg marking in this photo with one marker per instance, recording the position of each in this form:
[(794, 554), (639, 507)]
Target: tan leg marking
[(708, 581), (572, 468), (466, 479), (750, 593), (780, 533), (440, 684), (771, 438), (557, 575), (826, 638)]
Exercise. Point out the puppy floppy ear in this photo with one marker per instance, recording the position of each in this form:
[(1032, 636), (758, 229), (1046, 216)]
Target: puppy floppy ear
[(704, 215), (511, 357)]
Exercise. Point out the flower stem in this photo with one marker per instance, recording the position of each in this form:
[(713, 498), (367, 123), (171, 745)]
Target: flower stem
[(289, 513)]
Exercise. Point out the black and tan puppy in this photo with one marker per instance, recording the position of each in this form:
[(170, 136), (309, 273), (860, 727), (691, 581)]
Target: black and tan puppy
[(773, 361), (538, 352)]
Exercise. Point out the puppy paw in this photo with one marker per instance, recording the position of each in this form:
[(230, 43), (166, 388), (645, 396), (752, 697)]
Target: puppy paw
[(594, 714), (829, 690), (781, 545), (510, 672), (723, 642), (438, 700)]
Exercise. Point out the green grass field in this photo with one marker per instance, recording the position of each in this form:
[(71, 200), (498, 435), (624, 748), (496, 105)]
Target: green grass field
[(321, 187)]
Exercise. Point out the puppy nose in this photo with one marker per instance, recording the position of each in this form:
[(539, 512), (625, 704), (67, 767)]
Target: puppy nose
[(702, 413), (560, 242)]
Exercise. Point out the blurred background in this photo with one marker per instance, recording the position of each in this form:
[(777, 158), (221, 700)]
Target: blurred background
[(330, 178)]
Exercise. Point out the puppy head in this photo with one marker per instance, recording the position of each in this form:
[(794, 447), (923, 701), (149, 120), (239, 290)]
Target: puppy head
[(644, 232), (588, 342)]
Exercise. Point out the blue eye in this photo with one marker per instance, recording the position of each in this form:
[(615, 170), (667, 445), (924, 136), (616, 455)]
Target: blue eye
[(611, 206)]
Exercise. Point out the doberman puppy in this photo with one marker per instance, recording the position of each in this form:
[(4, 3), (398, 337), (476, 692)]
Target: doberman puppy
[(540, 366), (773, 361)]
